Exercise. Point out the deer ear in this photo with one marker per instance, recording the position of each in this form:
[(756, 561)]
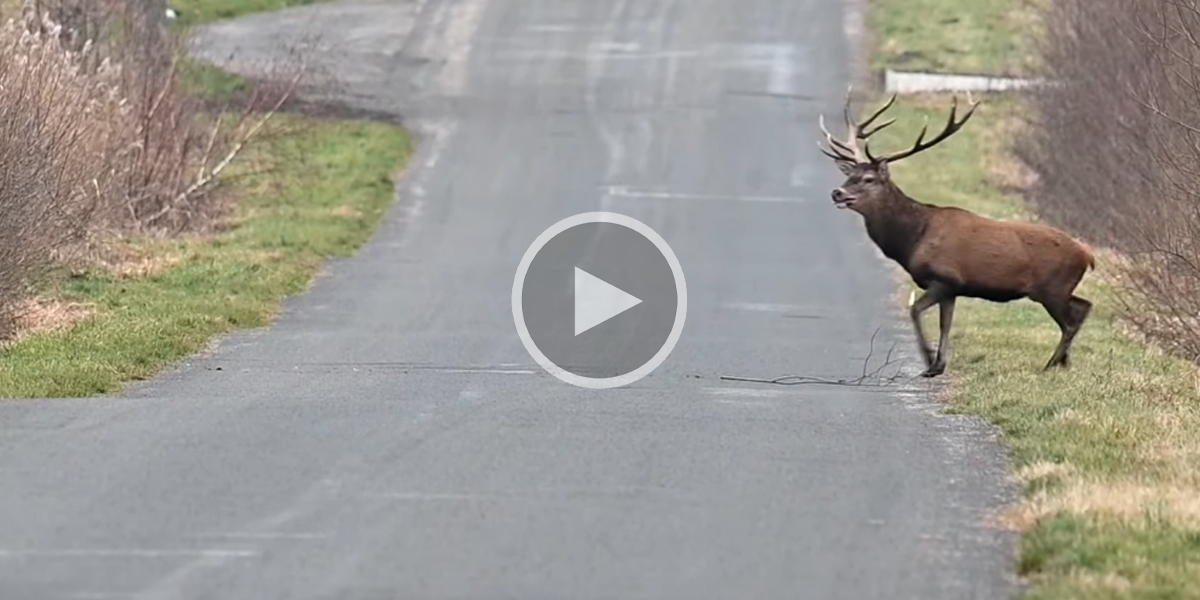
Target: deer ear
[(845, 167)]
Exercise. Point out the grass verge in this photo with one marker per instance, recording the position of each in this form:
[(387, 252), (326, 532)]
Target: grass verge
[(193, 12), (1109, 450), (308, 189), (329, 185), (969, 36)]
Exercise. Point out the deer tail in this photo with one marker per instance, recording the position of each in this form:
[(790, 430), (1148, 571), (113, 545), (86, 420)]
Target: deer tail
[(1088, 256)]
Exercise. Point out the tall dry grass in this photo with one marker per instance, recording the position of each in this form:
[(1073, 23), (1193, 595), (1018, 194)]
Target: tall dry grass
[(62, 128)]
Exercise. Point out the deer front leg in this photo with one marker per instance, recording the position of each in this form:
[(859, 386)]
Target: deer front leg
[(927, 299), (945, 318)]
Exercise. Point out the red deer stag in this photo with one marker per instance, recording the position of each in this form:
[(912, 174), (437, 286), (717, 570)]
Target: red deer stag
[(950, 252)]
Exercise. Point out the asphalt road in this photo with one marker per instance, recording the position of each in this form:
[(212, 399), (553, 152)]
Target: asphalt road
[(389, 437)]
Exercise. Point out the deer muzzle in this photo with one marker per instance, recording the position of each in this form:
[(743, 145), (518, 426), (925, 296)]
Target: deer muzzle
[(841, 199)]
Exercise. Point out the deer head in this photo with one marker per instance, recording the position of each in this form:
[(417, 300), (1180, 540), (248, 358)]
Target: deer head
[(868, 185)]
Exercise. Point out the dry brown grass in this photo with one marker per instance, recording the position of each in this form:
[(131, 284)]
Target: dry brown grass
[(127, 261), (1103, 583), (44, 315), (346, 212), (1125, 501)]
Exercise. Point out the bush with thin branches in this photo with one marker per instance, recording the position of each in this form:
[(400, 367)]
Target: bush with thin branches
[(1116, 143), (61, 135), (100, 136)]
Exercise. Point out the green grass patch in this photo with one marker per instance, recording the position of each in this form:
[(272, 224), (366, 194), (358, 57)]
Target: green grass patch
[(329, 185), (209, 82), (202, 11), (1109, 450), (961, 36), (1090, 559)]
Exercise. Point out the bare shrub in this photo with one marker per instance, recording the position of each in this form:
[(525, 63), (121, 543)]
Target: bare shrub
[(1088, 140), (99, 134), (58, 128), (1116, 143), (178, 151), (1164, 276), (174, 149)]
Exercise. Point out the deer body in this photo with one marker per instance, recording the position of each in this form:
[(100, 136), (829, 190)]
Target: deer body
[(999, 261), (951, 252)]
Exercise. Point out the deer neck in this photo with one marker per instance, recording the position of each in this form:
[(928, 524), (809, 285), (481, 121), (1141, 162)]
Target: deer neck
[(897, 225)]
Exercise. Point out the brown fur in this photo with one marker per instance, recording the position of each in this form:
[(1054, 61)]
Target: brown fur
[(950, 252)]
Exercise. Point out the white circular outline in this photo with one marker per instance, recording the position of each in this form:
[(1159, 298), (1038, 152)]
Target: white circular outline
[(680, 307)]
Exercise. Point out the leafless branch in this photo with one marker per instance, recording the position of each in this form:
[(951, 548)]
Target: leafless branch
[(868, 378)]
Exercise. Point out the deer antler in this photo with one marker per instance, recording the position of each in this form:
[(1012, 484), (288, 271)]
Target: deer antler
[(850, 151), (920, 145)]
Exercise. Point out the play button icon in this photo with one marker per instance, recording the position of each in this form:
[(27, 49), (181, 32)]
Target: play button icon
[(599, 300)]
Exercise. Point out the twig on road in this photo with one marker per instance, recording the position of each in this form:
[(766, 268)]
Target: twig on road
[(872, 378)]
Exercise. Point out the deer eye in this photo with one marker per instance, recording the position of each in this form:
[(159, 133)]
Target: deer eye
[(868, 179)]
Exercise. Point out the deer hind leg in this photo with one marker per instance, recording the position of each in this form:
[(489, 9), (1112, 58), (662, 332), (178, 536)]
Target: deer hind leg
[(1079, 310), (1069, 315)]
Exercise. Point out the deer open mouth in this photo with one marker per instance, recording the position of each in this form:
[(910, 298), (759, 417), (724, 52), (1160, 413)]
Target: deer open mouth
[(844, 202)]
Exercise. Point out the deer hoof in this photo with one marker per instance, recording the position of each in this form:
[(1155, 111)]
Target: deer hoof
[(934, 371), (935, 365), (1056, 363)]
